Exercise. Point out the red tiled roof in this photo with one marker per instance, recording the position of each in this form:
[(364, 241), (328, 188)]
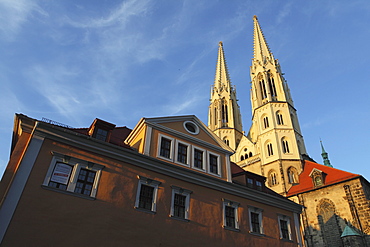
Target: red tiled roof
[(332, 176)]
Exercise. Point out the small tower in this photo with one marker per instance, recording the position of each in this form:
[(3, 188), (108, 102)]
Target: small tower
[(224, 117), (325, 156)]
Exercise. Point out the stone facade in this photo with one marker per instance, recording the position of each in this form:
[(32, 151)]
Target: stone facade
[(327, 210)]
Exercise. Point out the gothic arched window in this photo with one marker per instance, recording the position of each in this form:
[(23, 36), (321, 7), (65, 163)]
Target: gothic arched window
[(285, 145), (263, 89), (272, 88), (279, 118), (292, 175), (270, 151), (272, 178), (265, 122), (224, 113)]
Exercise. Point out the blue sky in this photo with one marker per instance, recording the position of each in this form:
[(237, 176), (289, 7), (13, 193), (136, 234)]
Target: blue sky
[(73, 61)]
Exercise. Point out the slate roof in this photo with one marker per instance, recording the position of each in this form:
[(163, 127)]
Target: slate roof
[(332, 176)]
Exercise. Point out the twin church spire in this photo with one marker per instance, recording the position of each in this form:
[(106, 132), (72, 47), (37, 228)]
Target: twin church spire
[(274, 139)]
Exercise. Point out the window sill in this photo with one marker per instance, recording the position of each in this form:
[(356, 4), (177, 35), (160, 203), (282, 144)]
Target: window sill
[(231, 229), (257, 234), (145, 210), (68, 193), (179, 219), (286, 240)]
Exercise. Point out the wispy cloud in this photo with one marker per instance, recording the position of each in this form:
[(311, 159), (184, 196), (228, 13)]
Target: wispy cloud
[(120, 15), (14, 14)]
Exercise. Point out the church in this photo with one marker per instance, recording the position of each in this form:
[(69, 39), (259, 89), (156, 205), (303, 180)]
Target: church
[(334, 200)]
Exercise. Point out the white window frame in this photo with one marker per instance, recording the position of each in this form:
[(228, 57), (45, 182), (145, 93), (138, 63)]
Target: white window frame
[(258, 211), (204, 164), (218, 164), (188, 153), (149, 182), (235, 206), (160, 136), (287, 219), (77, 165), (183, 192)]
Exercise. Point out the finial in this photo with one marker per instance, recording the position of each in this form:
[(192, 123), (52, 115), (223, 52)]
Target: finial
[(220, 43), (255, 17)]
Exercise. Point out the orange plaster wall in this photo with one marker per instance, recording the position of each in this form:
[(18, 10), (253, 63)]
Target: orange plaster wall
[(49, 218)]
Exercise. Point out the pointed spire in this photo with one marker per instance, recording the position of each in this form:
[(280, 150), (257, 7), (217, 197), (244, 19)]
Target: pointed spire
[(222, 79), (325, 156), (262, 51)]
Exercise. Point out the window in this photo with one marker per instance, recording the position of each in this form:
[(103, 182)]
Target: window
[(284, 143), (265, 122), (284, 225), (165, 147), (146, 194), (263, 89), (292, 175), (279, 118), (270, 151), (250, 182), (182, 153), (85, 182), (198, 158), (318, 181), (230, 209), (224, 113), (180, 203), (272, 86), (101, 134), (73, 175), (146, 197), (255, 220), (191, 127), (259, 185), (272, 176), (214, 163), (318, 177)]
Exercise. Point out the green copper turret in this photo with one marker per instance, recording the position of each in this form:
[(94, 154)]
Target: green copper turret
[(325, 156)]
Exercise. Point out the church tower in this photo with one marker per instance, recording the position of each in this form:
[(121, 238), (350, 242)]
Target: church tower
[(275, 121), (274, 146), (224, 117)]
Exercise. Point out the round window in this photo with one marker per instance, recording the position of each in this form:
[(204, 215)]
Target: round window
[(191, 127)]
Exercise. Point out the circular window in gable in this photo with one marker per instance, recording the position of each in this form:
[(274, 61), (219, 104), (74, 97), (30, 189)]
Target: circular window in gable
[(191, 127)]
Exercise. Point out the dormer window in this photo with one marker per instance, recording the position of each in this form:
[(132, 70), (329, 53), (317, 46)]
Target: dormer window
[(101, 130), (318, 177), (101, 134)]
